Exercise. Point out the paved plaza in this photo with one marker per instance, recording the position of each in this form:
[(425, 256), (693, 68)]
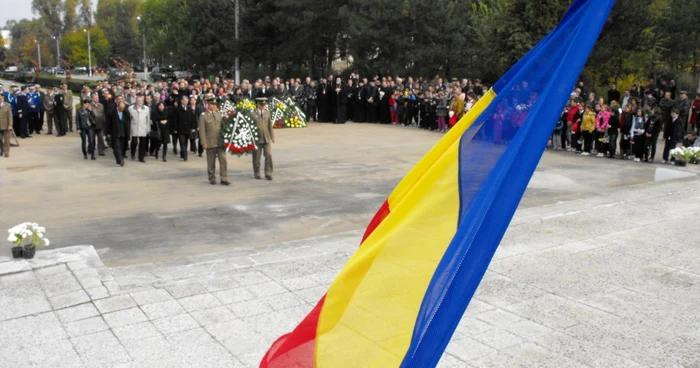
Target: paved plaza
[(150, 266)]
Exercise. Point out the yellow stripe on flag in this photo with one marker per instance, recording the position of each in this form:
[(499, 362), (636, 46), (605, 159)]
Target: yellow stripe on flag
[(370, 309)]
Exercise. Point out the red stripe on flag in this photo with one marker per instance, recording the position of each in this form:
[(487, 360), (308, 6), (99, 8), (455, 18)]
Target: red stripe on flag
[(296, 349), (378, 218)]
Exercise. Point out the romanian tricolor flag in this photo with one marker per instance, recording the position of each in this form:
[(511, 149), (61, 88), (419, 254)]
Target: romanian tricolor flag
[(400, 297)]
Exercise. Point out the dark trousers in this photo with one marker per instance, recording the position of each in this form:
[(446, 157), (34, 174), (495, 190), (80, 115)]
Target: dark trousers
[(587, 141), (598, 144), (41, 119), (184, 138), (654, 142), (141, 143), (196, 146), (612, 147), (24, 126), (310, 112), (89, 134), (639, 146), (154, 146), (119, 148), (670, 144), (175, 138), (15, 123), (60, 122), (35, 122)]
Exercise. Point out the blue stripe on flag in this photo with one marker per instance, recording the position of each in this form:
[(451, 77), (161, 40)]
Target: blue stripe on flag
[(498, 155)]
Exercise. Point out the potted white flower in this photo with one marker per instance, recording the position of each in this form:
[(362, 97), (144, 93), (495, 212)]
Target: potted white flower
[(26, 237), (683, 155)]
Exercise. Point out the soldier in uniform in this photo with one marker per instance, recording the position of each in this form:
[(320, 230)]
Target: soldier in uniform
[(265, 139), (68, 104), (209, 128), (47, 106), (5, 126)]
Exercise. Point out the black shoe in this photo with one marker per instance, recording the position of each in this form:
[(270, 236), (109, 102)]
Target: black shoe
[(212, 182), (185, 158), (101, 154), (175, 151), (225, 183), (92, 157), (142, 160), (85, 155), (49, 133), (155, 155), (268, 177), (257, 177), (133, 157), (200, 155), (164, 160)]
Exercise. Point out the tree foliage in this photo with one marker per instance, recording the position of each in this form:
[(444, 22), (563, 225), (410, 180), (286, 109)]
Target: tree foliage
[(117, 18), (76, 46), (462, 38)]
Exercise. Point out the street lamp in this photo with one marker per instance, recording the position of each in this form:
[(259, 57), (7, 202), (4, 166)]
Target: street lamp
[(89, 52), (143, 32), (58, 53), (38, 51)]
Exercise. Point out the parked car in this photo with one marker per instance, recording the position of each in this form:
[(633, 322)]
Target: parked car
[(163, 74), (115, 74), (80, 70), (59, 71), (11, 69)]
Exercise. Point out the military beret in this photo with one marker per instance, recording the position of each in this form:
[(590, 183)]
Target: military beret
[(211, 100), (684, 92)]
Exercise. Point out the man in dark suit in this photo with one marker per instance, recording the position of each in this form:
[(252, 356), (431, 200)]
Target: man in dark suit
[(117, 126), (184, 124), (59, 111)]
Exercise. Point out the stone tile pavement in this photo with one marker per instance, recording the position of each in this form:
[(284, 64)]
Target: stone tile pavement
[(611, 280)]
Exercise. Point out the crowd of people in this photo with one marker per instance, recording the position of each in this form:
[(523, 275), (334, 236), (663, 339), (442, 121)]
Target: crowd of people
[(141, 119), (628, 125)]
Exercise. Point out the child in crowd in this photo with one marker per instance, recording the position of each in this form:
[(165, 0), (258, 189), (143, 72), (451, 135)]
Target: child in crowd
[(625, 132), (601, 127), (442, 111), (638, 131), (587, 129), (557, 136)]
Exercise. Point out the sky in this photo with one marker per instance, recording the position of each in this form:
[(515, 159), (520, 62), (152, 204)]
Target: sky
[(15, 9)]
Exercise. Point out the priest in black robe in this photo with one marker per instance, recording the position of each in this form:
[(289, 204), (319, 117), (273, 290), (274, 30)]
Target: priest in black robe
[(372, 103), (361, 102), (323, 96), (341, 92), (385, 93), (350, 93)]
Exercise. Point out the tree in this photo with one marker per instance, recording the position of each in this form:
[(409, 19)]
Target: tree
[(117, 18), (76, 48), (23, 50)]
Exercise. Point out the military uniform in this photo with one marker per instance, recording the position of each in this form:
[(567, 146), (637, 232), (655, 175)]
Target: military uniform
[(209, 128), (68, 101), (47, 103), (5, 127), (264, 142)]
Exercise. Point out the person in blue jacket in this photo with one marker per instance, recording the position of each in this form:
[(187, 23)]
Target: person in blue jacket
[(34, 117)]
